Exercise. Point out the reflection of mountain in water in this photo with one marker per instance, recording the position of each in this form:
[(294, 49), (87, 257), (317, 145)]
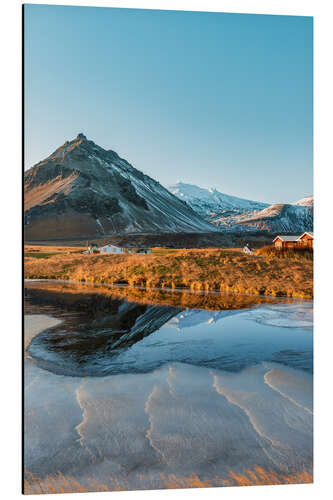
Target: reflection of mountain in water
[(95, 331), (193, 317), (107, 334)]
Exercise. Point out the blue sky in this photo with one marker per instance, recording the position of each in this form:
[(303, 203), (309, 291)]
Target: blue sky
[(217, 100)]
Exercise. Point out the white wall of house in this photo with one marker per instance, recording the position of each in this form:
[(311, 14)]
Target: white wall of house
[(111, 249)]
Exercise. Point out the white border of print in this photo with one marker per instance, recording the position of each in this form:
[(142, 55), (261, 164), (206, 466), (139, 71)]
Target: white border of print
[(10, 200)]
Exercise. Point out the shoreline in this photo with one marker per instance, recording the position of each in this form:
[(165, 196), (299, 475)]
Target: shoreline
[(120, 286), (35, 324), (64, 291)]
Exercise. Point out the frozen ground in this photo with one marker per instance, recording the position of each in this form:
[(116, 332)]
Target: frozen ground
[(177, 418), (298, 315)]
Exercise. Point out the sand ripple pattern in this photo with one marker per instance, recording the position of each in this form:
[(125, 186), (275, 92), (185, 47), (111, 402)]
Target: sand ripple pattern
[(179, 419)]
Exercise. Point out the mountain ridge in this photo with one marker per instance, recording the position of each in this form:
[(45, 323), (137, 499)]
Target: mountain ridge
[(208, 200), (231, 213), (82, 189)]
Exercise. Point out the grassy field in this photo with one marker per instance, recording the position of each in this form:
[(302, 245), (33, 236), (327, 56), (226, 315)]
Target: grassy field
[(43, 252), (227, 270), (295, 254)]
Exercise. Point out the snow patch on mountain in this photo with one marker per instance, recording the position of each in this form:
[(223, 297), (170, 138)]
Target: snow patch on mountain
[(230, 213), (305, 202), (278, 218), (210, 202)]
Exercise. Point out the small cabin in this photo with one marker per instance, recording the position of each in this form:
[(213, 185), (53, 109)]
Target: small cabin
[(291, 242), (111, 249), (306, 240), (285, 242)]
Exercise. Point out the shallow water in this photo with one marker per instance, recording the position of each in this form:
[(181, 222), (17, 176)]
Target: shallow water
[(126, 390), (128, 337)]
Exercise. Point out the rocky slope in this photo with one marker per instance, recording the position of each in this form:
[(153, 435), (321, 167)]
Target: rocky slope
[(83, 190)]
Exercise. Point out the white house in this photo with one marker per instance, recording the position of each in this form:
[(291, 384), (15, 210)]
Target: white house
[(111, 249)]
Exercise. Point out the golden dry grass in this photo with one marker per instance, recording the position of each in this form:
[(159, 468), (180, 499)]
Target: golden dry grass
[(53, 249), (197, 269), (257, 477), (298, 253)]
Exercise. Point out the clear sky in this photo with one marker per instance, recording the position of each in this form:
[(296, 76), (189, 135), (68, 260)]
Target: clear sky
[(217, 100)]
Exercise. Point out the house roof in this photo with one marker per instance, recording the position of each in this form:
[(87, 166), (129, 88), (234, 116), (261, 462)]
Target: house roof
[(287, 238), (309, 233), (110, 245)]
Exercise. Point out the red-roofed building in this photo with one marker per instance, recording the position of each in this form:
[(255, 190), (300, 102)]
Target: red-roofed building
[(284, 242), (306, 240), (294, 241)]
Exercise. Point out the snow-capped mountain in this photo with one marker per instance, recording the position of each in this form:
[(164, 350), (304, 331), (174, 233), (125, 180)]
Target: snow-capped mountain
[(278, 218), (229, 213), (83, 190), (210, 203), (305, 202)]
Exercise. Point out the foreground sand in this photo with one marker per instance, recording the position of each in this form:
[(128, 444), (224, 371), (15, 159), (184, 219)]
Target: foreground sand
[(178, 426)]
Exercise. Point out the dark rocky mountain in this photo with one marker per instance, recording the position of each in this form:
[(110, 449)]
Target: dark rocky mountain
[(82, 190)]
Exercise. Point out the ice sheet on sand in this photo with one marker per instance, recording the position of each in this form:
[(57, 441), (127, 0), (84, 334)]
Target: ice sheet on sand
[(299, 315), (291, 385), (281, 421), (178, 419)]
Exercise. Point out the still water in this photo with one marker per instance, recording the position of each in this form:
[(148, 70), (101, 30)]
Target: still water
[(128, 337)]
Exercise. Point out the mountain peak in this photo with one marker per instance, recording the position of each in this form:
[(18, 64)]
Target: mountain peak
[(84, 190), (81, 136)]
